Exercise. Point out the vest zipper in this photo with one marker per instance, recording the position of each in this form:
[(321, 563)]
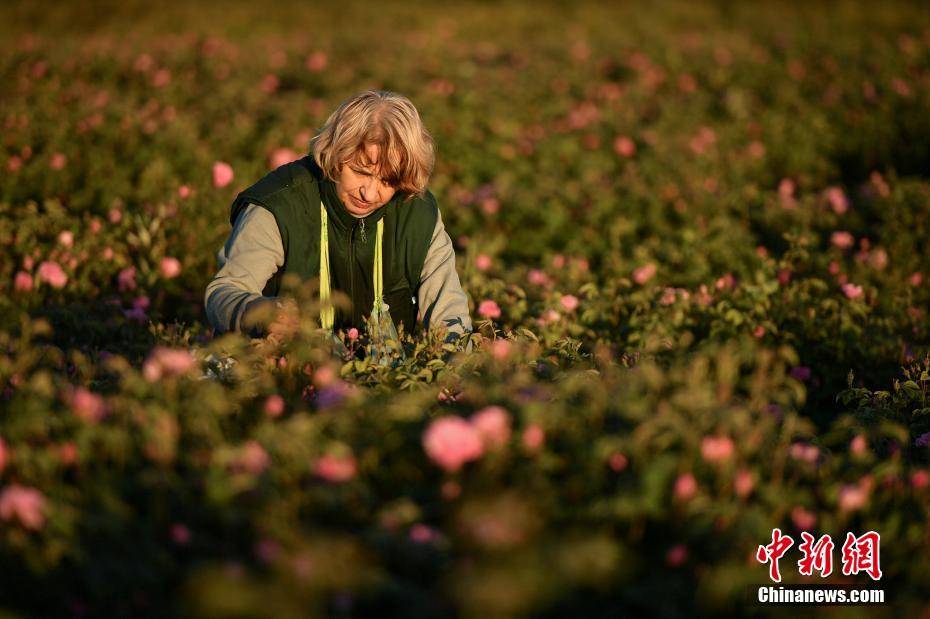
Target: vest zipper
[(362, 228), (352, 271)]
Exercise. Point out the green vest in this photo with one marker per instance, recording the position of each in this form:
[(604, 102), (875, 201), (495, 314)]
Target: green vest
[(292, 193)]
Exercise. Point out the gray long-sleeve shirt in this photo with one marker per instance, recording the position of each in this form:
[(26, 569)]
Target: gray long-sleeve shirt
[(254, 252)]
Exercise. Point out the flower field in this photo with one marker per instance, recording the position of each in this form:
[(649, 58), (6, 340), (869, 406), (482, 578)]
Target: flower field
[(694, 238)]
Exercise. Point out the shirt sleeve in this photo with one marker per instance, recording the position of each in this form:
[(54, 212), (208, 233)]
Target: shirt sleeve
[(441, 298), (251, 255)]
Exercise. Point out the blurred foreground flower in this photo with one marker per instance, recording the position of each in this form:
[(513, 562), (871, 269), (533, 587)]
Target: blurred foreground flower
[(451, 442), (27, 505), (222, 174), (167, 362)]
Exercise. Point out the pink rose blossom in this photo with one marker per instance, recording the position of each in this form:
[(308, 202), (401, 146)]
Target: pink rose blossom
[(500, 349), (184, 192), (167, 362), (624, 146), (920, 479), (22, 282), (842, 239), (483, 262), (644, 273), (716, 448), (858, 446), (786, 190), (58, 161), (27, 505), (274, 406), (335, 469), (126, 280), (538, 277), (493, 424), (852, 291), (676, 555), (222, 174), (685, 487), (353, 334), (569, 302), (423, 534), (4, 455), (282, 156), (852, 497), (803, 520), (533, 437), (804, 452), (87, 405), (617, 462), (52, 274), (743, 483), (837, 200), (180, 534), (170, 267), (66, 238), (115, 215), (316, 61), (489, 309), (252, 459), (451, 442)]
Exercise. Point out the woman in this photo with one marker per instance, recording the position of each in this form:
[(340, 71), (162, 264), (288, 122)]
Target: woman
[(362, 188)]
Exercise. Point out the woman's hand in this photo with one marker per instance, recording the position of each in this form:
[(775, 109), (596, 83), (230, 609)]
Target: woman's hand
[(276, 318)]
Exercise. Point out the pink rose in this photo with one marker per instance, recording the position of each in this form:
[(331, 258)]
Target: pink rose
[(644, 273), (451, 442), (23, 504), (316, 61), (52, 274), (569, 302), (858, 445), (180, 534), (184, 192), (538, 277), (676, 555), (126, 280), (533, 437), (743, 483), (66, 238), (167, 362), (483, 262), (170, 267), (624, 146), (282, 156), (58, 161), (4, 455), (353, 334), (274, 406), (336, 469), (22, 282), (489, 309), (685, 487), (716, 449), (803, 519), (852, 291), (252, 459), (852, 497), (500, 349), (222, 174), (837, 200), (493, 424), (617, 462), (87, 405)]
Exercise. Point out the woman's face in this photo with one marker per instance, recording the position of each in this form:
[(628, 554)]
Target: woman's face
[(359, 187)]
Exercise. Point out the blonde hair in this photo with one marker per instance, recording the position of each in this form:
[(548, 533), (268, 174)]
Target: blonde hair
[(384, 118)]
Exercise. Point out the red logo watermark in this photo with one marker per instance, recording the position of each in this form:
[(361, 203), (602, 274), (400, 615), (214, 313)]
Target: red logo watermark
[(859, 554)]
